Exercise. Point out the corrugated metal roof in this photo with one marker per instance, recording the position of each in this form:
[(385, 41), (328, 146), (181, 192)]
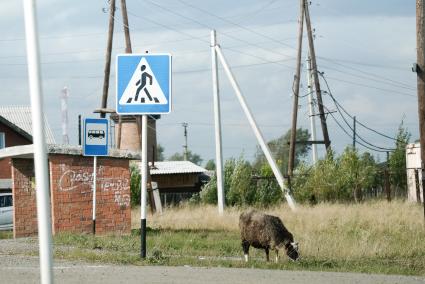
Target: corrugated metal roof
[(175, 167), (21, 117)]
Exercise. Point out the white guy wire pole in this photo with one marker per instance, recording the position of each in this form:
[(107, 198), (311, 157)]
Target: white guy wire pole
[(143, 184), (256, 130), (217, 124), (312, 113), (94, 193), (64, 110), (40, 152)]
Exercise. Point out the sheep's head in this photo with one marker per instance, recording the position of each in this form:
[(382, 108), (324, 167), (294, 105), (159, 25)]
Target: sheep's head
[(292, 250)]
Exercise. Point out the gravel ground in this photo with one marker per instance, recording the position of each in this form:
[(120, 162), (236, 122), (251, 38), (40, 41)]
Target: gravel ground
[(18, 266)]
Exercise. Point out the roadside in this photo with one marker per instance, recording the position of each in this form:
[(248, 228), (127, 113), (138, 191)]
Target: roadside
[(19, 264), (25, 269)]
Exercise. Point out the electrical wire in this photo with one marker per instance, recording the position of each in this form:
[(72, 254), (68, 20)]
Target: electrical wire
[(338, 105), (235, 24)]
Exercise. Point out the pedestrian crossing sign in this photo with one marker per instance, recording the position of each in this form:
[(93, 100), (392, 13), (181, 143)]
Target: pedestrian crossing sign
[(143, 83)]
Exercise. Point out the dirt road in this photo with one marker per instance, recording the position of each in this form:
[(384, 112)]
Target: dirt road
[(16, 266), (25, 269)]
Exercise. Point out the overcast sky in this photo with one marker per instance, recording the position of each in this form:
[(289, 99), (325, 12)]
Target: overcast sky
[(365, 48)]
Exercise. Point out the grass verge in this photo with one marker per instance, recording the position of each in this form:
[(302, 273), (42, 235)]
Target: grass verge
[(373, 237)]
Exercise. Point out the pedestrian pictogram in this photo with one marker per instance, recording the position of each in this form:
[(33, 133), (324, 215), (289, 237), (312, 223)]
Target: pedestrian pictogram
[(143, 83)]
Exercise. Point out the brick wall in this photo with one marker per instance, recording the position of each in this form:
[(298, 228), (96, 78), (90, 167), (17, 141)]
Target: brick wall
[(23, 187), (71, 195), (71, 184)]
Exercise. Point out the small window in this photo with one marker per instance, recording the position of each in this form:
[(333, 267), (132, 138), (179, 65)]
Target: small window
[(9, 201), (2, 140), (6, 201)]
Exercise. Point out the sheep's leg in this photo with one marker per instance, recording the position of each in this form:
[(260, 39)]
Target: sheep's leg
[(267, 253), (245, 247), (277, 256)]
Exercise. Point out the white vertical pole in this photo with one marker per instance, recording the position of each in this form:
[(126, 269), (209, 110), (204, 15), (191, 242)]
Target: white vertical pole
[(40, 151), (217, 124), (143, 184), (94, 193), (64, 110), (256, 130), (311, 107)]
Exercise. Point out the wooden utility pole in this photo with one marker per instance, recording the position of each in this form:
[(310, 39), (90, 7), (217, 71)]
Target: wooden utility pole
[(185, 153), (420, 71), (387, 184), (108, 58), (316, 77), (126, 27), (127, 50), (296, 89)]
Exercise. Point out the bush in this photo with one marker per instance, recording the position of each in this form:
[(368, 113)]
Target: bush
[(240, 188), (336, 179), (134, 185)]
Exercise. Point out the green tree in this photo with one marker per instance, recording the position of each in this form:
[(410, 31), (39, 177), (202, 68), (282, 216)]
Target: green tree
[(241, 188), (343, 178), (280, 150), (160, 153), (397, 160), (194, 158), (210, 165)]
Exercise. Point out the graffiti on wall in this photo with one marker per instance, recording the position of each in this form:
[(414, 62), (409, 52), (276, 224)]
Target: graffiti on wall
[(82, 180)]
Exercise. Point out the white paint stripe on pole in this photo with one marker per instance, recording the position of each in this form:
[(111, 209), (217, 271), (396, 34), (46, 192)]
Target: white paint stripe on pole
[(40, 151), (256, 130), (217, 124), (94, 186), (144, 167)]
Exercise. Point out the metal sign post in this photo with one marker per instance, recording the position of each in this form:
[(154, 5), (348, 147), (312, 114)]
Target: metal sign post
[(144, 178), (96, 139), (94, 193), (143, 87), (40, 151)]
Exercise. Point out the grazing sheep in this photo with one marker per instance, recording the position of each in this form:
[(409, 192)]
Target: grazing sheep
[(266, 232)]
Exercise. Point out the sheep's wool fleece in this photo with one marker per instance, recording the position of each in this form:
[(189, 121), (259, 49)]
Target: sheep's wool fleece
[(262, 230)]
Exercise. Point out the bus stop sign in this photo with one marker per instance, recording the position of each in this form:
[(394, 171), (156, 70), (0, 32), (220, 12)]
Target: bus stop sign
[(95, 137)]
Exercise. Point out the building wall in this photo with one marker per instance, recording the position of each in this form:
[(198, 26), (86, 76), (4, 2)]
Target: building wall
[(176, 180), (24, 198), (71, 195), (130, 134), (71, 185), (414, 173), (12, 139)]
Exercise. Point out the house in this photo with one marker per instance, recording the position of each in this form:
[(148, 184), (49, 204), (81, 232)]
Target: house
[(16, 130), (177, 180)]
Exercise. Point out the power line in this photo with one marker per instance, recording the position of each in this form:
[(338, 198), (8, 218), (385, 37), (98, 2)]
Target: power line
[(338, 105), (235, 24), (362, 63), (210, 28), (370, 73), (376, 148), (371, 87), (381, 81)]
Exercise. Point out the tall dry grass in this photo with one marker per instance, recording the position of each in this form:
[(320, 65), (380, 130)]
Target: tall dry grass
[(371, 230)]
